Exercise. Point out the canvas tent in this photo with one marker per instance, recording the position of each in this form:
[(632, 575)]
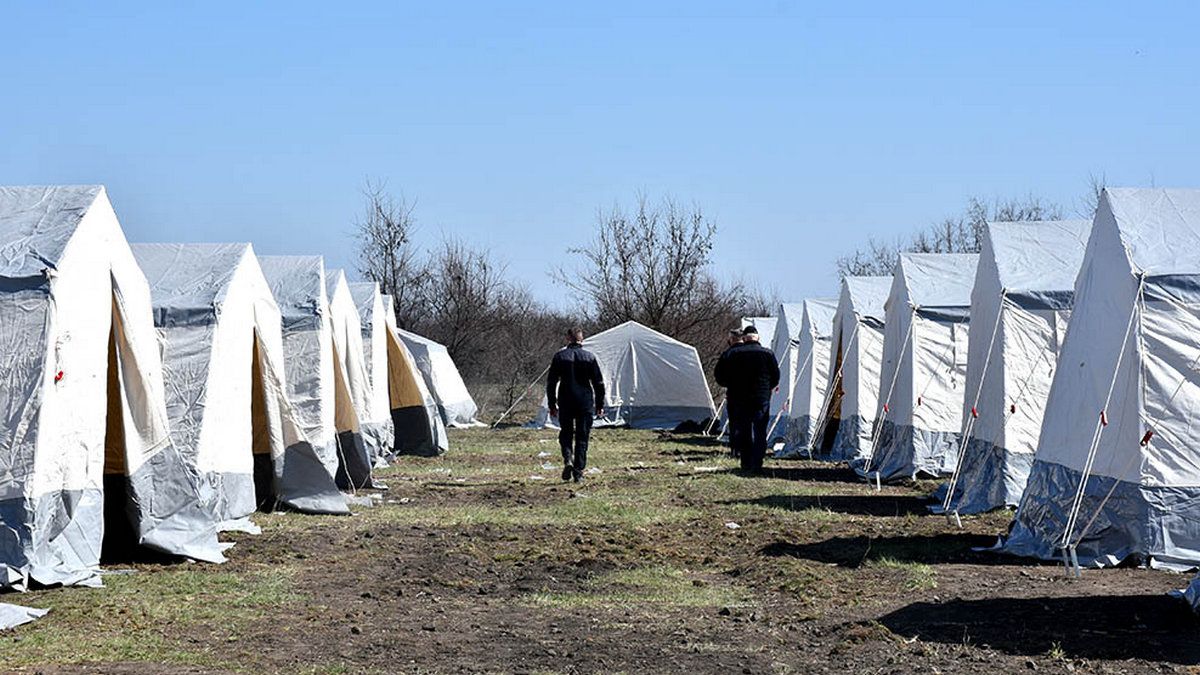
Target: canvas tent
[(924, 366), (856, 356), (378, 413), (765, 325), (1020, 305), (86, 459), (651, 381), (318, 386), (786, 347), (375, 432), (802, 410), (419, 427), (1117, 469), (443, 380), (226, 387)]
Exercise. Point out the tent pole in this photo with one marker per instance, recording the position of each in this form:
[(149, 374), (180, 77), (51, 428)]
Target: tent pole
[(521, 397), (969, 424)]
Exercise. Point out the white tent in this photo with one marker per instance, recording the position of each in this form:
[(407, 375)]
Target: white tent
[(86, 458), (651, 381), (420, 429), (802, 409), (1019, 311), (348, 340), (765, 325), (378, 413), (443, 380), (1117, 469), (318, 386), (226, 388), (856, 356), (924, 366), (786, 347)]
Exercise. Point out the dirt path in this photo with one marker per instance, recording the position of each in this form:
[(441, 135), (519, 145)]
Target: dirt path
[(665, 560)]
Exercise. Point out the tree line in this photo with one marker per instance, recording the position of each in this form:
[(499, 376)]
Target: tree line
[(651, 263)]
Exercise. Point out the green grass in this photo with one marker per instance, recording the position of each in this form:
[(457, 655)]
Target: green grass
[(126, 620), (917, 576)]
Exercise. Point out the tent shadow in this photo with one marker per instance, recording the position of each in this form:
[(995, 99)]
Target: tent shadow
[(1153, 627), (695, 455), (854, 552), (855, 505), (821, 474), (698, 440)]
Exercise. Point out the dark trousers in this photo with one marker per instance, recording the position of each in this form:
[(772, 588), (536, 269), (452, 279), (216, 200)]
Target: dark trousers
[(748, 432), (576, 428)]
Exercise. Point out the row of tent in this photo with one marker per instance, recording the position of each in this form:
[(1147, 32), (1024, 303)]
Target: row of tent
[(1057, 371), (157, 394)]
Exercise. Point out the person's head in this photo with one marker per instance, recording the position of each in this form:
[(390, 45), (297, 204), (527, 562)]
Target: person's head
[(749, 334), (735, 337), (574, 335)]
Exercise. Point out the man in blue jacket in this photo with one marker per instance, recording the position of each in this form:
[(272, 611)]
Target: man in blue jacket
[(749, 373), (574, 394)]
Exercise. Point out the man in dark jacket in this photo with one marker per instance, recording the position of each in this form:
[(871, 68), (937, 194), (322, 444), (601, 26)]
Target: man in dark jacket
[(574, 394), (749, 373)]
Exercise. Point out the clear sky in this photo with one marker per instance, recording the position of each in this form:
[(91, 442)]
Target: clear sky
[(802, 128)]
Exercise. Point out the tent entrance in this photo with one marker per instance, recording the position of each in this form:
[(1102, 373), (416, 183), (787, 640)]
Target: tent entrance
[(265, 496), (833, 413), (120, 516), (354, 468)]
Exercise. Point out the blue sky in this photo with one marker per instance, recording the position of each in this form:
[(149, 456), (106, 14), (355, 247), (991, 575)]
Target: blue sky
[(802, 129)]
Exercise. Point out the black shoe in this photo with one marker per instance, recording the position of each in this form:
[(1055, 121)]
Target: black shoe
[(578, 478), (566, 474)]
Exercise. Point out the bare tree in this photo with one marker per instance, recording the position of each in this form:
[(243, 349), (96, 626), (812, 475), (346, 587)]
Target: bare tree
[(387, 254), (1085, 206), (653, 266), (759, 300), (469, 293), (874, 259), (957, 234)]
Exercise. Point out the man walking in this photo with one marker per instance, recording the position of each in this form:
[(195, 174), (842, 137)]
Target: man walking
[(749, 373), (574, 394), (732, 340)]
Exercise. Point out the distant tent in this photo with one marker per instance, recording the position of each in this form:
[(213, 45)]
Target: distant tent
[(420, 429), (802, 410), (443, 379), (86, 459), (317, 383), (786, 347), (924, 365), (765, 325), (347, 338), (651, 381), (856, 356), (1117, 469), (226, 387), (378, 413), (1019, 311)]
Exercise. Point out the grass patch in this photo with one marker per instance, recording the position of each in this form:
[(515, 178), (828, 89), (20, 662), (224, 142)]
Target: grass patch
[(917, 576), (128, 619), (644, 585)]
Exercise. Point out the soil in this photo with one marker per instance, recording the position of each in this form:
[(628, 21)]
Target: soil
[(825, 576)]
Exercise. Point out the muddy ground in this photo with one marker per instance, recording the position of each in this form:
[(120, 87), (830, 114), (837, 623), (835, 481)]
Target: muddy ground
[(664, 560)]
